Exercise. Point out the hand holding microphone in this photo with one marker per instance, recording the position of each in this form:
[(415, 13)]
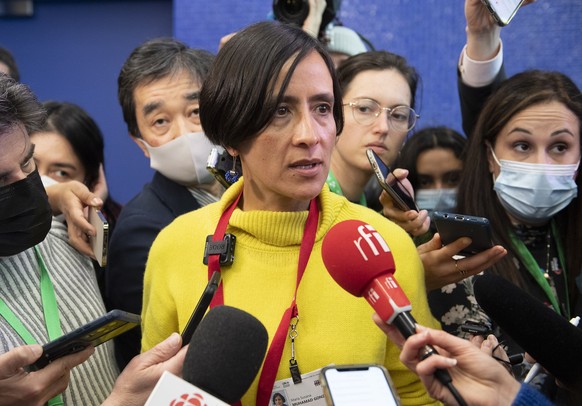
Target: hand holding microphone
[(360, 261), (481, 379)]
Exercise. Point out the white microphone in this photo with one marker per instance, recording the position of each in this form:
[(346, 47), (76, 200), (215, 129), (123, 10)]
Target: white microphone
[(172, 390)]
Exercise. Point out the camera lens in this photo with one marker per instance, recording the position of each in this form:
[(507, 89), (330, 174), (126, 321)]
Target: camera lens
[(291, 11)]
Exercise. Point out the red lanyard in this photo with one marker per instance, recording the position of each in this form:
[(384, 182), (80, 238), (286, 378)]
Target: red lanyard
[(275, 352)]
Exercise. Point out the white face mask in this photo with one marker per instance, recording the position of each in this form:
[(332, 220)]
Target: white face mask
[(534, 193), (183, 159), (437, 199)]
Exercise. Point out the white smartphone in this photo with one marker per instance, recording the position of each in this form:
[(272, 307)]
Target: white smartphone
[(355, 385), (502, 10), (100, 242)]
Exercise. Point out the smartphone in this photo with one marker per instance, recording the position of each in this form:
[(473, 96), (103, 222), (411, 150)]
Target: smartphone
[(399, 195), (355, 385), (201, 308), (93, 333), (100, 241), (221, 162), (477, 329), (452, 226), (502, 10)]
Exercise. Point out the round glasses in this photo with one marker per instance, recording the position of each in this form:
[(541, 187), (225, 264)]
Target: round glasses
[(401, 118)]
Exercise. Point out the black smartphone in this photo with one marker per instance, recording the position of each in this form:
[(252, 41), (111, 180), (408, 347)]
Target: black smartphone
[(502, 10), (452, 226), (352, 385), (201, 308), (399, 195), (94, 333), (100, 241), (219, 163), (477, 329)]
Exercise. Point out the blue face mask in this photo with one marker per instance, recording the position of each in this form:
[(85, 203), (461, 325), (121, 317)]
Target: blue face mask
[(534, 193), (437, 199)]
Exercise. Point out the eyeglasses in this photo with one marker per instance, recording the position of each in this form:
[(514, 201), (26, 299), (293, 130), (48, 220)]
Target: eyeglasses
[(401, 118)]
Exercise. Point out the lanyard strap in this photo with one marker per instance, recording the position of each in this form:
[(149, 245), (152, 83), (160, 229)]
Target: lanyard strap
[(214, 260), (50, 310), (335, 187), (534, 269), (275, 351)]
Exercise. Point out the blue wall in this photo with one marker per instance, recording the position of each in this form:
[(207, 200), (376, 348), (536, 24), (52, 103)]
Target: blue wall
[(73, 51), (429, 33)]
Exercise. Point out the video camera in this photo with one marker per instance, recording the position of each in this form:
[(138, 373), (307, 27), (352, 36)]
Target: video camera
[(296, 11)]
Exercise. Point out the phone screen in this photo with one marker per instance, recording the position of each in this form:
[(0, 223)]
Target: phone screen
[(359, 385)]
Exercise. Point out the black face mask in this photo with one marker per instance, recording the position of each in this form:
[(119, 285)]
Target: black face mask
[(25, 215)]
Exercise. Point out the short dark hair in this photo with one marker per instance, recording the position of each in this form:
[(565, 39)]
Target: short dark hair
[(81, 131), (19, 107), (378, 60), (153, 60), (7, 59), (238, 99), (426, 139)]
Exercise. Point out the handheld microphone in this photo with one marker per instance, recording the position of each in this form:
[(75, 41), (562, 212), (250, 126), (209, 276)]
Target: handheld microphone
[(549, 338), (225, 354), (360, 261)]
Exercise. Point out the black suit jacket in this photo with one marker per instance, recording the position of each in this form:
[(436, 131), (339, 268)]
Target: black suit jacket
[(140, 221), (472, 99)]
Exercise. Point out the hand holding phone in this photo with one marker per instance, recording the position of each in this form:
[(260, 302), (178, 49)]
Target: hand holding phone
[(93, 333), (452, 226), (397, 192)]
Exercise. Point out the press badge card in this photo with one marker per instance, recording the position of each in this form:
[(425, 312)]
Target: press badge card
[(308, 392)]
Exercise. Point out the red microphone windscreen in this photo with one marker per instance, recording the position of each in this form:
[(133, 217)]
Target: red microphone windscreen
[(354, 253)]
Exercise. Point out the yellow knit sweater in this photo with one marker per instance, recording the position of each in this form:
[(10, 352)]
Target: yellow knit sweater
[(335, 327)]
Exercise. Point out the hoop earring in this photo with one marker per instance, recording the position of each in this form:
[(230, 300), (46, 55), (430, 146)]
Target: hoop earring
[(232, 175)]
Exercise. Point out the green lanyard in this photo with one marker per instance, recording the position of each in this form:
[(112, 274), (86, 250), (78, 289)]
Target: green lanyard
[(335, 187), (534, 269), (51, 314)]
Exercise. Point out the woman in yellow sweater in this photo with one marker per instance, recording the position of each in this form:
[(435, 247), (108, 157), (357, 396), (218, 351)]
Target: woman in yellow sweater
[(273, 101)]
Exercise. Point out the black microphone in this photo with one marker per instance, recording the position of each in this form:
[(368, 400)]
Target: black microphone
[(549, 338), (226, 353)]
